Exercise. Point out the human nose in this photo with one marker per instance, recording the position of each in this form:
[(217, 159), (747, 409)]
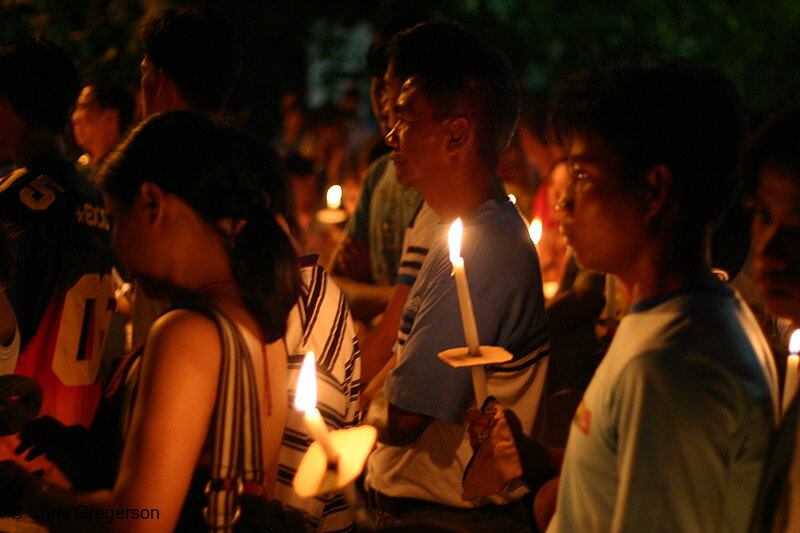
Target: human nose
[(565, 201), (391, 137)]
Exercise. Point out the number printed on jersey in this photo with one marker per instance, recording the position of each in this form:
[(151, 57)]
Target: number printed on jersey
[(40, 193), (83, 329)]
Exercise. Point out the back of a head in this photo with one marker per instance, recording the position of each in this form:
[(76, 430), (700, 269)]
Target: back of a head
[(198, 51), (185, 154), (661, 112), (378, 52), (460, 75), (266, 171), (776, 144), (114, 95), (39, 80)]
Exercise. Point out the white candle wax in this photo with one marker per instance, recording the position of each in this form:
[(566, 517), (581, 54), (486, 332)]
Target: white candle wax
[(479, 384), (306, 401), (319, 432), (465, 306), (790, 384)]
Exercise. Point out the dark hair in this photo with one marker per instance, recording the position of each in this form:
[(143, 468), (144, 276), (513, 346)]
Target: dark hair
[(39, 81), (8, 237), (198, 51), (661, 111), (378, 52), (185, 154), (265, 169), (776, 144), (113, 95), (534, 114), (459, 75)]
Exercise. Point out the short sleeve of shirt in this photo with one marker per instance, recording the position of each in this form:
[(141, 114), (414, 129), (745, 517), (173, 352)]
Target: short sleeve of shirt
[(416, 244), (421, 382)]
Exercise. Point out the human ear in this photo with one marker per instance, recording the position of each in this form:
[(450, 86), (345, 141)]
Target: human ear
[(151, 197), (111, 116), (658, 190), (459, 131)]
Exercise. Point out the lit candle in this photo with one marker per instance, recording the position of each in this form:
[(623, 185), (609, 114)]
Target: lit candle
[(334, 197), (792, 362), (465, 306), (513, 199), (464, 299), (306, 401), (535, 231)]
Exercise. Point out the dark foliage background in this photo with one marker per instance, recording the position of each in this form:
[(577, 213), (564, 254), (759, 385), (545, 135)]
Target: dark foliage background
[(754, 42)]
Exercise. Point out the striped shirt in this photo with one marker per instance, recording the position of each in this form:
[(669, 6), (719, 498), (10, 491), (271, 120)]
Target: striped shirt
[(416, 243), (320, 322)]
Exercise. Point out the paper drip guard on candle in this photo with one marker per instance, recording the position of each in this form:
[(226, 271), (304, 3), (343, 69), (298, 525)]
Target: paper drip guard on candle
[(314, 477), (333, 213), (487, 355), (335, 459)]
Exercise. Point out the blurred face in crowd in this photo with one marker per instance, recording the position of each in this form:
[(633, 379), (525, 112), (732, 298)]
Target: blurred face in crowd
[(90, 121), (558, 181), (376, 90), (391, 92), (148, 87), (776, 241), (602, 218), (418, 140)]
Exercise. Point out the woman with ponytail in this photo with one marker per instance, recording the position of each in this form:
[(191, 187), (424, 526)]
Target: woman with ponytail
[(194, 227)]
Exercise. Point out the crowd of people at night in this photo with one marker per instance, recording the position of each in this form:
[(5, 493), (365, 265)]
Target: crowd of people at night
[(603, 347)]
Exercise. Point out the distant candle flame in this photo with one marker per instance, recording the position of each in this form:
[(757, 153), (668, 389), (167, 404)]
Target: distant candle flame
[(454, 239), (84, 159), (306, 396), (513, 199), (794, 342), (535, 231), (334, 196)]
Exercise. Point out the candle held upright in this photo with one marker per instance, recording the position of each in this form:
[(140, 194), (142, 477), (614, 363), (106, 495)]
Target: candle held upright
[(306, 401), (464, 299), (792, 364)]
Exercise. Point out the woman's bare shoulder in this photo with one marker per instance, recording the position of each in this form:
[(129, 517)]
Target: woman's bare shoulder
[(184, 334)]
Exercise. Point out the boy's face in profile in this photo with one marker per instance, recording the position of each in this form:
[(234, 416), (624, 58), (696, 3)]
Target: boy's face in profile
[(603, 217), (776, 241)]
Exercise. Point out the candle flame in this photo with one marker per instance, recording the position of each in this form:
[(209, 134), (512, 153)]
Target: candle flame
[(334, 197), (306, 395), (535, 231), (794, 342), (454, 239), (513, 199)]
